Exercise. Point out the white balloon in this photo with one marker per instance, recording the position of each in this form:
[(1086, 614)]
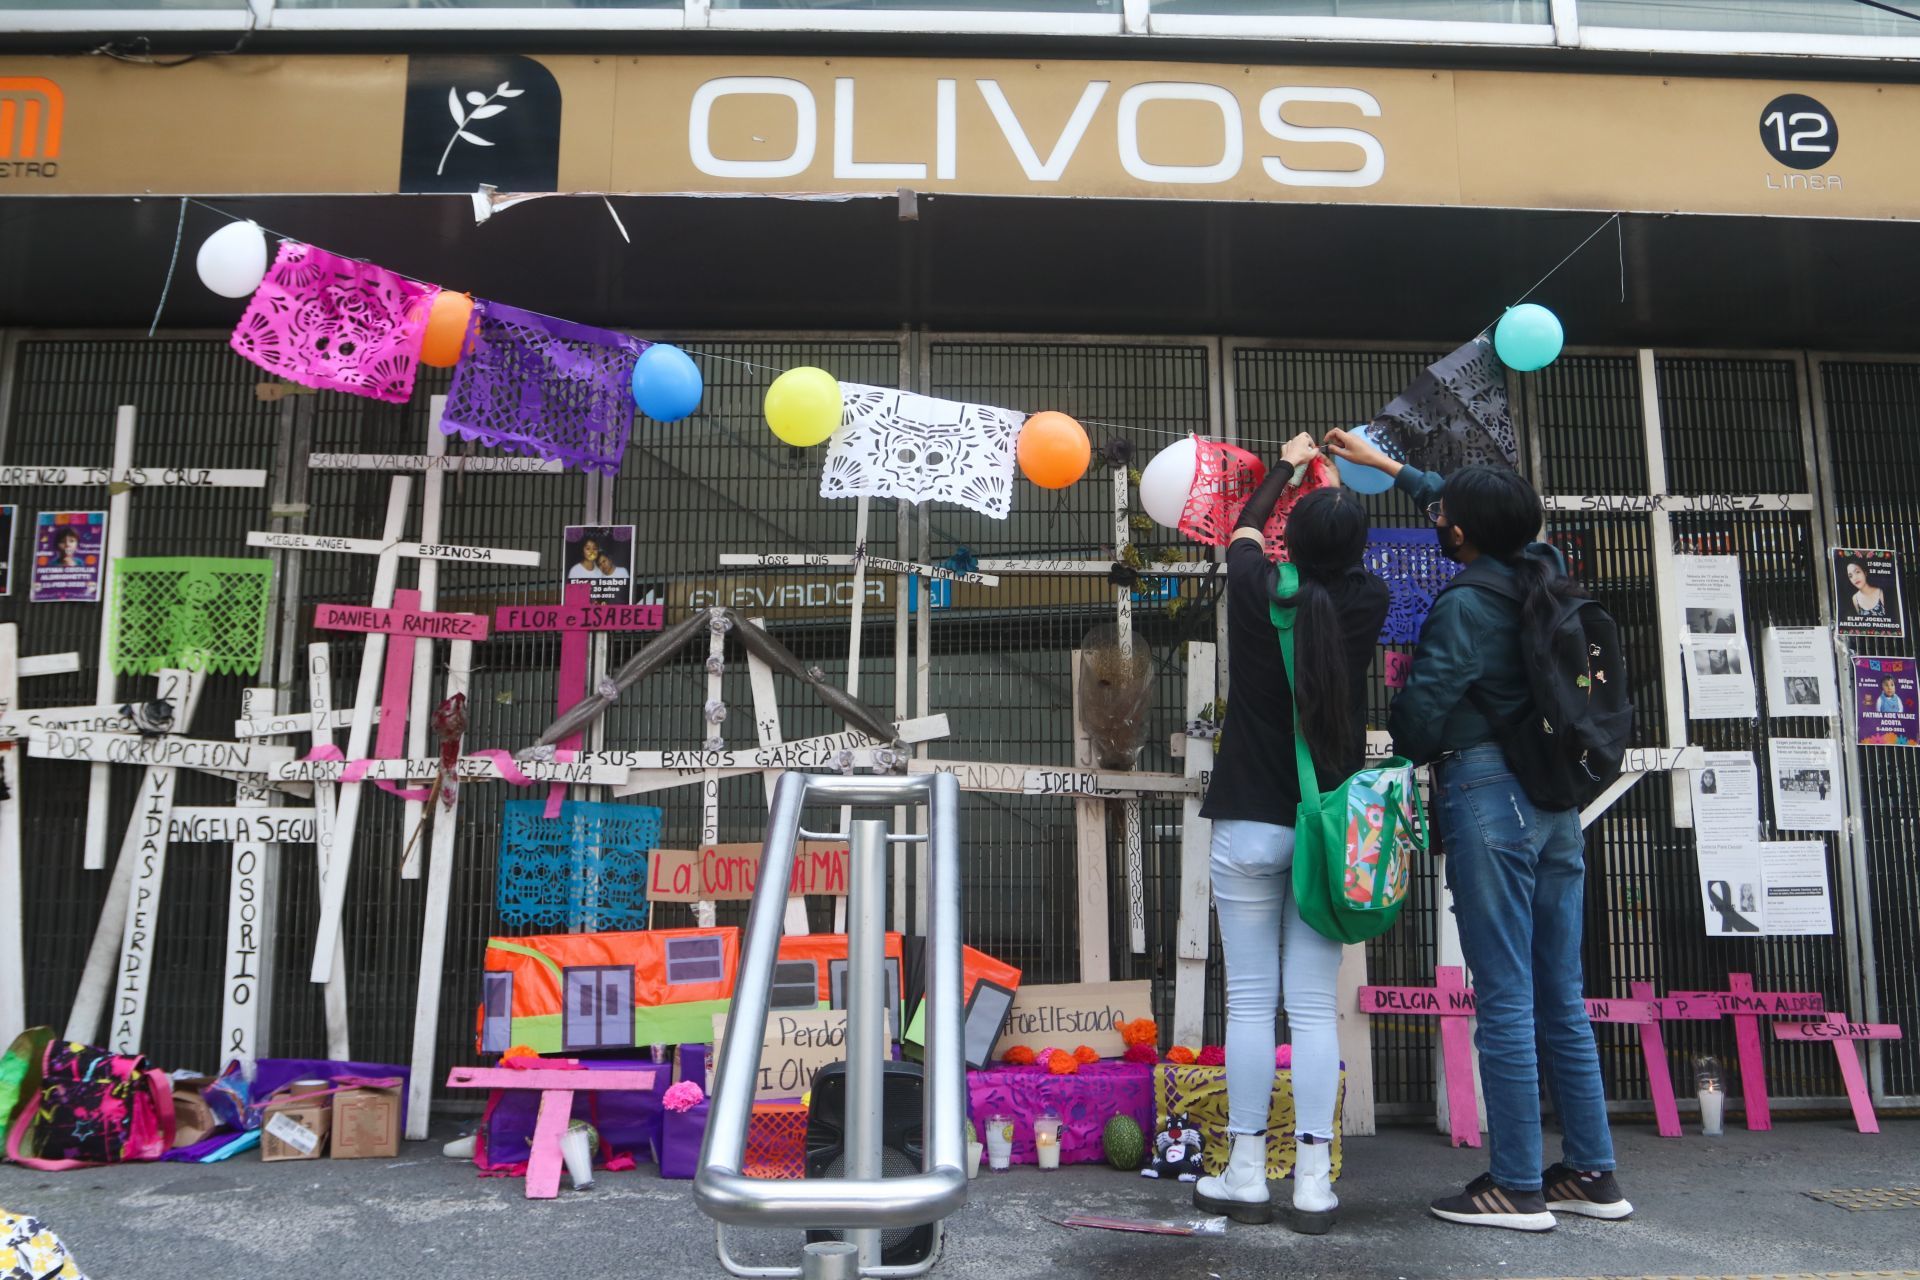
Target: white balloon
[(233, 260), (1167, 482)]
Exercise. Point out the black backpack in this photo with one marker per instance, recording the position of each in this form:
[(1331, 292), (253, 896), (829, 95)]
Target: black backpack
[(1566, 742)]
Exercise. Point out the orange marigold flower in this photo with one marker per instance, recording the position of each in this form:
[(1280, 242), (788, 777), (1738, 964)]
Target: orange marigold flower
[(1180, 1054), (1063, 1064), (1020, 1056), (1087, 1053), (1140, 1031)]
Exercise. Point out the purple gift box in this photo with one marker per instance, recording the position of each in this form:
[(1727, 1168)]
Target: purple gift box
[(1084, 1101)]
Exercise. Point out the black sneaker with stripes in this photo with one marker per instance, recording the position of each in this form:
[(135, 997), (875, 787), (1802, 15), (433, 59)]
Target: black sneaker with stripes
[(1485, 1203), (1591, 1195)]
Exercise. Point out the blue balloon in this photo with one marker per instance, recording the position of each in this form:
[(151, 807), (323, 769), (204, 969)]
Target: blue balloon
[(666, 383), (1528, 337), (1362, 479)]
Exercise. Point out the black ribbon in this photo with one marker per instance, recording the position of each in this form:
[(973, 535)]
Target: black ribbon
[(1731, 921)]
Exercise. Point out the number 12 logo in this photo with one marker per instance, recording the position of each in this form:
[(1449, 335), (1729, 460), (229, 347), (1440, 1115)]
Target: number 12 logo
[(1798, 131)]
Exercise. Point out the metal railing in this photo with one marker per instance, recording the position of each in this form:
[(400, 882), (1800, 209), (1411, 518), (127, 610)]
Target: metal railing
[(862, 1203)]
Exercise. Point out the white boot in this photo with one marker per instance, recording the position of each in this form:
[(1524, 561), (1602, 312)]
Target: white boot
[(1241, 1191), (1313, 1200)]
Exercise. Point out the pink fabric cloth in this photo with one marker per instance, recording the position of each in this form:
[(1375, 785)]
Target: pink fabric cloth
[(330, 322)]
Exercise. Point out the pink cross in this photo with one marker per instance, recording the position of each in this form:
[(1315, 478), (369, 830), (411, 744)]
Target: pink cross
[(1747, 1006), (575, 620), (1645, 1012), (1449, 1000), (407, 625), (1841, 1033), (557, 1083)]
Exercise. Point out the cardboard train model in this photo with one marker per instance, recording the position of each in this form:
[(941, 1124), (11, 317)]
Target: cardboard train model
[(572, 992)]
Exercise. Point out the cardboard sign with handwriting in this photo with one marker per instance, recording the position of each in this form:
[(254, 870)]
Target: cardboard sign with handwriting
[(798, 1043), (1075, 1013), (728, 872)]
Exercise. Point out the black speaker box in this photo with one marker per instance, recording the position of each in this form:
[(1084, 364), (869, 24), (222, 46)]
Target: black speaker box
[(902, 1146)]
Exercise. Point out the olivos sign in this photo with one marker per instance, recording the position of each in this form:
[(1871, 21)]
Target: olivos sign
[(801, 125)]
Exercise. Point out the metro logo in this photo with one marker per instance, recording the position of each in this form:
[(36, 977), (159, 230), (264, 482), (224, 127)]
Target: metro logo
[(31, 109)]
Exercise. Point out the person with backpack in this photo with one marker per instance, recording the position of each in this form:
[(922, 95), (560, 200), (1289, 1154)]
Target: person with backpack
[(1518, 697), (1253, 802)]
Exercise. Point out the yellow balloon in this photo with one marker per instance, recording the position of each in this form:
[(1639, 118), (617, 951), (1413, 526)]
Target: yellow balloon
[(803, 406)]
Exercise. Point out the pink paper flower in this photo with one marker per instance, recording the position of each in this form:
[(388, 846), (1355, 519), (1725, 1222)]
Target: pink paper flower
[(1212, 1055), (684, 1096), (1283, 1057), (1142, 1053)]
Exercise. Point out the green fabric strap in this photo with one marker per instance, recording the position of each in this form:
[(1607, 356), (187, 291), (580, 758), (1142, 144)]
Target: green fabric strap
[(1286, 589)]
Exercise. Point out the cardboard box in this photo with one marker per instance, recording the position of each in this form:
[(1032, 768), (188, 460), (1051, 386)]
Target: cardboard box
[(296, 1130), (366, 1123), (193, 1119)]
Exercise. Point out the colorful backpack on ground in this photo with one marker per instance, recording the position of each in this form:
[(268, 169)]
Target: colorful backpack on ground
[(1353, 846), (93, 1107)]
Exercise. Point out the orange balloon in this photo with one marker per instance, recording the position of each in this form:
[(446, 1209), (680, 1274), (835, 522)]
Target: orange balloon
[(1053, 450), (446, 329)]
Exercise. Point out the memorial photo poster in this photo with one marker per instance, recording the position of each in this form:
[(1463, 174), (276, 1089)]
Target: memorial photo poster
[(1866, 589), (1726, 798), (1886, 694), (1760, 887), (1806, 784), (69, 553), (9, 521), (1718, 663), (602, 557), (1799, 671)]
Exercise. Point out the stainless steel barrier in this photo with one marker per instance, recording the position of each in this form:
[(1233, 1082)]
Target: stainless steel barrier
[(863, 1203)]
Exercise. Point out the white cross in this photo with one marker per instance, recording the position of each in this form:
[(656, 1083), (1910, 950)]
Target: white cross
[(13, 960), (120, 479), (133, 900)]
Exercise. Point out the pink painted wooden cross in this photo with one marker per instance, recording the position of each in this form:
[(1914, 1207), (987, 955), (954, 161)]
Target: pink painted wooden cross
[(576, 621), (557, 1085), (1746, 1007), (1842, 1033), (1450, 1001), (1645, 1012), (407, 625)]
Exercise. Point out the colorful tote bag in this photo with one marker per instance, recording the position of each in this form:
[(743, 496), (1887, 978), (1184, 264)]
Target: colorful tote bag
[(1354, 845)]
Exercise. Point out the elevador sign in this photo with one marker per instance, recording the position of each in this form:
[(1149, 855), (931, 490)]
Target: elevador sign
[(694, 125)]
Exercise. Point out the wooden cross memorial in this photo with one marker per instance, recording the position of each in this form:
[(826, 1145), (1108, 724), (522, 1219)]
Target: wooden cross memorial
[(13, 960), (1841, 1033)]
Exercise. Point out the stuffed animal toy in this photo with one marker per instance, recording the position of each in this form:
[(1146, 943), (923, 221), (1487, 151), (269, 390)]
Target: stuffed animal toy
[(1176, 1151)]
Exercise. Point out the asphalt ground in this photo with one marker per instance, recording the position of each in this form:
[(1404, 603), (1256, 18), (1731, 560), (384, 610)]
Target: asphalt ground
[(1729, 1206)]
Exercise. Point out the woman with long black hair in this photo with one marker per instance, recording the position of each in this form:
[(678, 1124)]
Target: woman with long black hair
[(1253, 801)]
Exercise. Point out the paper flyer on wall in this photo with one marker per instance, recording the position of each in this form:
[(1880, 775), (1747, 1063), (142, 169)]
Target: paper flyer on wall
[(1759, 887), (1718, 663), (1886, 694), (1866, 590), (1726, 798), (1806, 784), (1799, 671)]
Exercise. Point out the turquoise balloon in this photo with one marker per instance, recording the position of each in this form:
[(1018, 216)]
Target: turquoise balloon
[(1362, 479), (666, 383), (1528, 337)]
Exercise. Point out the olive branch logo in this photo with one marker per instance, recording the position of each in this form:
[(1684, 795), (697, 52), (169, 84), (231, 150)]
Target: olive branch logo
[(483, 108)]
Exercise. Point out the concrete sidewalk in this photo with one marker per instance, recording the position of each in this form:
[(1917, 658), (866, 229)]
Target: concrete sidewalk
[(1706, 1207)]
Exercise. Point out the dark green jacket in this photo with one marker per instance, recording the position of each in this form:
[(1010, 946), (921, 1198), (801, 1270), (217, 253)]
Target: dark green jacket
[(1471, 639)]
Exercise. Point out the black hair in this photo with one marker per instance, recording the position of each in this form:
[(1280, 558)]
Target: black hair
[(1498, 512), (1326, 537), (62, 532)]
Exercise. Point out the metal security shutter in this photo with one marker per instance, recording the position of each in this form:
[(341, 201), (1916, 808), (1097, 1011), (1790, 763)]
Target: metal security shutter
[(1872, 412)]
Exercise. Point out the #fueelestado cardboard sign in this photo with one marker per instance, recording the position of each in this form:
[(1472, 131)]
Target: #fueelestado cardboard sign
[(1071, 1014)]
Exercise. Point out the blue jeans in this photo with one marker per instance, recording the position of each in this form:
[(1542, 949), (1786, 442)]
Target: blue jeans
[(1518, 876), (1252, 865)]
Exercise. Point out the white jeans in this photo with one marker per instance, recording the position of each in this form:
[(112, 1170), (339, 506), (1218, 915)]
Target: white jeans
[(1252, 865)]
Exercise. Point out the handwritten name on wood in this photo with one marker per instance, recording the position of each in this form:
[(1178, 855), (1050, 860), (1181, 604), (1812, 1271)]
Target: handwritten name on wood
[(428, 626), (797, 1045), (1836, 1029), (473, 463), (731, 872), (240, 826), (590, 617), (880, 564), (1680, 502), (1068, 1015), (406, 550), (168, 752), (138, 477)]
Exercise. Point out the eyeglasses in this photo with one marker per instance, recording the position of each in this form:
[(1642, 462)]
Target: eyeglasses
[(1433, 512)]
